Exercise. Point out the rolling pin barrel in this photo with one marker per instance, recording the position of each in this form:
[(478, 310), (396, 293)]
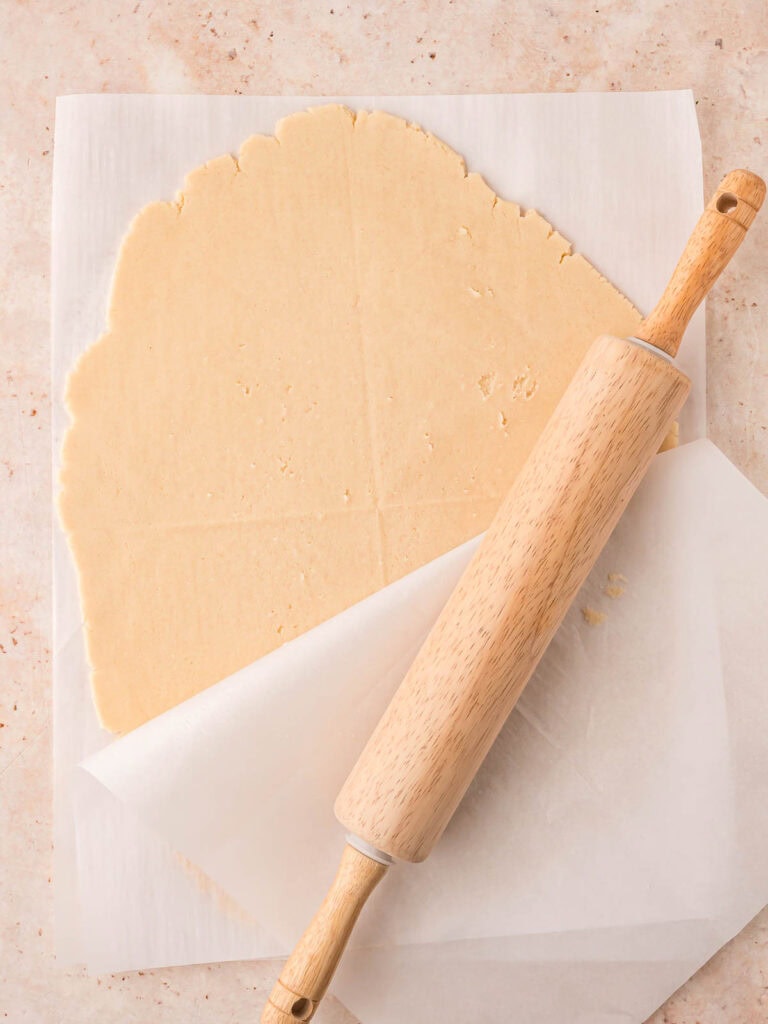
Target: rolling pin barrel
[(538, 551), (514, 594)]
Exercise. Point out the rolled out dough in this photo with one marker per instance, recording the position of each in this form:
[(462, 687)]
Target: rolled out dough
[(324, 365)]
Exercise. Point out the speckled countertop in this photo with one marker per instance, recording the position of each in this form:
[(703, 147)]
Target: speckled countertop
[(717, 47)]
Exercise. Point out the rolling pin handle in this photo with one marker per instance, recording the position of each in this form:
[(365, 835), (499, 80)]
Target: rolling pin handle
[(716, 237), (308, 971)]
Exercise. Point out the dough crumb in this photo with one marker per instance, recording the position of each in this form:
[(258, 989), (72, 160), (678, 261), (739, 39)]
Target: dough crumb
[(487, 384), (617, 577), (245, 388), (672, 440), (503, 421), (525, 385), (592, 616), (614, 591), (464, 231), (347, 496), (473, 292), (430, 443)]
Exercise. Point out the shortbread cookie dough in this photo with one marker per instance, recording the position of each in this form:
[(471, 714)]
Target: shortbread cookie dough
[(324, 365)]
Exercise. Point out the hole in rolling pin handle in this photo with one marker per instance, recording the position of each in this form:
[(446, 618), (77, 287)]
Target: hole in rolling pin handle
[(302, 1009), (726, 202)]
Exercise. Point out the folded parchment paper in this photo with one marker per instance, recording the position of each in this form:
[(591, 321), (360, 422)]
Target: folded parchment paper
[(617, 834), (563, 784)]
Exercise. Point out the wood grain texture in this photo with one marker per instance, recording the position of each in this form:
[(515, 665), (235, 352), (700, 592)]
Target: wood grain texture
[(308, 971), (716, 237), (515, 592), (512, 597)]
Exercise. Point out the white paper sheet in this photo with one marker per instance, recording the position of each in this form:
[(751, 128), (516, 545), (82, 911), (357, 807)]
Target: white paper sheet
[(557, 784), (636, 156), (617, 834)]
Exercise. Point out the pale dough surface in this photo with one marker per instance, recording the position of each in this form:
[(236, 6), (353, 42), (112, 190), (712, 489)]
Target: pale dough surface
[(324, 365)]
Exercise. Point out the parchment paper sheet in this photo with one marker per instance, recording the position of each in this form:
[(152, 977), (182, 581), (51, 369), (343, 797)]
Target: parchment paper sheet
[(124, 899), (617, 834)]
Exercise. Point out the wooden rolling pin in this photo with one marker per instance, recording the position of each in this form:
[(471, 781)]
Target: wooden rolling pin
[(514, 594)]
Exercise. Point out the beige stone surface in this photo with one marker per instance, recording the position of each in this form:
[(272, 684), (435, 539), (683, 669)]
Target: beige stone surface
[(718, 47)]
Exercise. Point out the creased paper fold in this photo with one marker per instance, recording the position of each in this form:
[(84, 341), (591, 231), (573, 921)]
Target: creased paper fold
[(592, 823)]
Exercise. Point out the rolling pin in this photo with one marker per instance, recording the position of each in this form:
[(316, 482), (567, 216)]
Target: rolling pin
[(512, 597)]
